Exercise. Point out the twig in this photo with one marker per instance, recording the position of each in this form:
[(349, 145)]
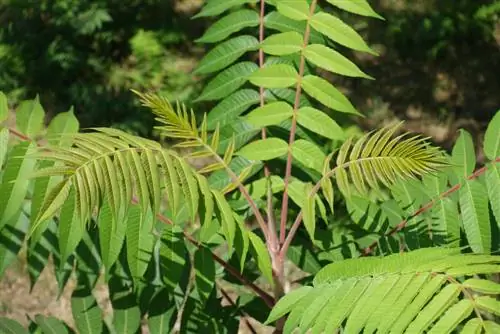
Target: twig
[(268, 299), (368, 250), (298, 90)]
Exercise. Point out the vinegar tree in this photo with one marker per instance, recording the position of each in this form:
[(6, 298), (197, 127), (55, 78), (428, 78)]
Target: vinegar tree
[(200, 236)]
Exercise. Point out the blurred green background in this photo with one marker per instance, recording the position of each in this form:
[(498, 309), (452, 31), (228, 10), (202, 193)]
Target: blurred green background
[(439, 64)]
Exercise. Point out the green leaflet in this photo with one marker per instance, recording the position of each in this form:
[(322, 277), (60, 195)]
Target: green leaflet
[(204, 266), (283, 44), (475, 216), (463, 155), (29, 117), (324, 92), (12, 237), (216, 7), (320, 123), (4, 107), (162, 313), (493, 185), (4, 142), (111, 235), (71, 227), (227, 81), (294, 9), (11, 326), (51, 325), (230, 24), (139, 240), (227, 219), (492, 138), (15, 181), (270, 114), (360, 7), (308, 154), (224, 54), (173, 256), (126, 312), (86, 312), (276, 21), (231, 107), (331, 60), (240, 131), (309, 210), (264, 149), (261, 256), (339, 32), (274, 76)]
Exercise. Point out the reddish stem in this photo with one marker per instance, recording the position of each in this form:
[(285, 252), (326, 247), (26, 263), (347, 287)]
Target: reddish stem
[(268, 299), (368, 250), (298, 90)]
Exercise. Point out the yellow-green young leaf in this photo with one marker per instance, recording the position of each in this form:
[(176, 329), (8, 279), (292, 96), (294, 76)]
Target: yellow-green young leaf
[(453, 317), (264, 149), (493, 185), (15, 181), (435, 308), (139, 240), (204, 267), (324, 92), (339, 32), (319, 123), (282, 44), (489, 304), (482, 286), (326, 183), (229, 24), (309, 210), (331, 60), (71, 227), (213, 8), (294, 9), (207, 211), (360, 7), (226, 217), (227, 81), (492, 138), (463, 156), (274, 76), (475, 216), (270, 114), (29, 117), (189, 187), (288, 302), (473, 326), (4, 145), (4, 107), (261, 256), (491, 326), (308, 154), (226, 53)]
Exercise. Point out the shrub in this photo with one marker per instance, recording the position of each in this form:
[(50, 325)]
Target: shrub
[(174, 243)]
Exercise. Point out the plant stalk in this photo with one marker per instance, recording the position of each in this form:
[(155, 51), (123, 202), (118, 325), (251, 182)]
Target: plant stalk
[(298, 90)]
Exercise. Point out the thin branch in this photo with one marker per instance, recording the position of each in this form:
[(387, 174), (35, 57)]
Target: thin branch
[(368, 250), (268, 299), (298, 90), (273, 237), (242, 313)]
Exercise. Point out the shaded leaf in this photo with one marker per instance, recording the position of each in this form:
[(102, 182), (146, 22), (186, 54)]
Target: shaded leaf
[(230, 24)]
